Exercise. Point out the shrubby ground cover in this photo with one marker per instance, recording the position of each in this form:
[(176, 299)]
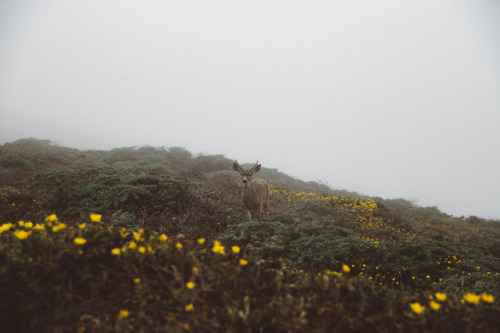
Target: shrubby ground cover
[(148, 239)]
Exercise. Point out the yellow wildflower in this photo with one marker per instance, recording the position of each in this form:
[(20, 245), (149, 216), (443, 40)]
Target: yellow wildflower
[(58, 227), (124, 313), (178, 245), (132, 245), (243, 262), (441, 297), (142, 249), (82, 226), (162, 238), (346, 268), (434, 305), (189, 307), (201, 241), (51, 218), (5, 227), (190, 285), (195, 270), (28, 225), (80, 241), (116, 251), (21, 234), (95, 217), (138, 236), (39, 227), (471, 298), (137, 280), (236, 249), (487, 298), (417, 307), (218, 248)]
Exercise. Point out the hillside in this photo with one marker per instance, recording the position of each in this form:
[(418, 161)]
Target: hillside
[(170, 250)]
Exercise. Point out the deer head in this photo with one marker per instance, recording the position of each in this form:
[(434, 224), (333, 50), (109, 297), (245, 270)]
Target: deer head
[(244, 173)]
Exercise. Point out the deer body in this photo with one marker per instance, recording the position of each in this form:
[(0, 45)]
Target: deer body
[(255, 193)]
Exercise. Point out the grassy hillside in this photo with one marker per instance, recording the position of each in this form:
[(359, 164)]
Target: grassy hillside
[(170, 251)]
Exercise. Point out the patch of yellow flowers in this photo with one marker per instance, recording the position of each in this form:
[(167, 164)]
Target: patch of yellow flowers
[(365, 210), (218, 248), (134, 241), (435, 305), (366, 207)]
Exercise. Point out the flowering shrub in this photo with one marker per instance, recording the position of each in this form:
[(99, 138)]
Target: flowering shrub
[(97, 277), (170, 255)]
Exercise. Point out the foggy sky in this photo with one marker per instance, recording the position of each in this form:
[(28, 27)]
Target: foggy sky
[(387, 98)]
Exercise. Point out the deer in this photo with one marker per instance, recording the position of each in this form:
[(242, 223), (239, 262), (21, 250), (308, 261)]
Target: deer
[(255, 193)]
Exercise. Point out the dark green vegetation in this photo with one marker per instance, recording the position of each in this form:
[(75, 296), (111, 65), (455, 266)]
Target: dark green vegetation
[(325, 261)]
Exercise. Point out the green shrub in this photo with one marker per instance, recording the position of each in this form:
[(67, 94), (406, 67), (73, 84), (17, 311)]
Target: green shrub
[(75, 192), (110, 193), (14, 161), (58, 190), (309, 246), (52, 283)]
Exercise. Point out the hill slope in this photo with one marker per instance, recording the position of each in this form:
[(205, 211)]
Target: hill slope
[(172, 252)]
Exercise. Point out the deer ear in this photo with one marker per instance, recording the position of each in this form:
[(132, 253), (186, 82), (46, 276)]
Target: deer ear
[(257, 168)]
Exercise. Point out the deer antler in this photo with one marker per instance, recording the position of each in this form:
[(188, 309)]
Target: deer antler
[(237, 167), (255, 168)]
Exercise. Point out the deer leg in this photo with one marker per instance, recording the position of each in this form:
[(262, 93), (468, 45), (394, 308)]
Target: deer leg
[(249, 216)]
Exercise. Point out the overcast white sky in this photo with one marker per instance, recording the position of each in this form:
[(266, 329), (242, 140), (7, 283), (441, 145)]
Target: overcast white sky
[(388, 98)]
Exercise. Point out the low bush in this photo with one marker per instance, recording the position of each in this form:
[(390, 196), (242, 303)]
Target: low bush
[(92, 277), (110, 193), (74, 192)]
